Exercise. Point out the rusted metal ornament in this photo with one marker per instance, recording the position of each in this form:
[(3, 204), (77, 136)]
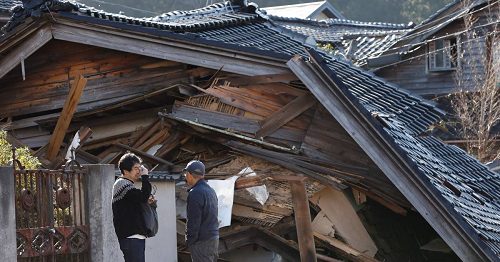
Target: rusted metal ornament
[(63, 198)]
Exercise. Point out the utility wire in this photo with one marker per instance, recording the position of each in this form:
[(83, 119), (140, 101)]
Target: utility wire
[(435, 51), (430, 29), (449, 35)]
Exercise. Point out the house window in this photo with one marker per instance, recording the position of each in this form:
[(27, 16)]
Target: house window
[(442, 54)]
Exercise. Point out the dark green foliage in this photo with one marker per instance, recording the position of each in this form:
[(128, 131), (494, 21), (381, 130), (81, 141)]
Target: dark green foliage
[(393, 11)]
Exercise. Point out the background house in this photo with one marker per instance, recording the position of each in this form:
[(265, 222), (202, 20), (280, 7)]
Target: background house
[(425, 60)]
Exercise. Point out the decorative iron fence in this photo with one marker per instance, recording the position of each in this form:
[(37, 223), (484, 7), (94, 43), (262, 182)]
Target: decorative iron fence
[(51, 214)]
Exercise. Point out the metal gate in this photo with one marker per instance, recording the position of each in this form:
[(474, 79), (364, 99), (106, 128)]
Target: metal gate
[(51, 214)]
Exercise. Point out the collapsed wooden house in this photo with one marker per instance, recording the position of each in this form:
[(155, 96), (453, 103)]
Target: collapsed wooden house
[(227, 85)]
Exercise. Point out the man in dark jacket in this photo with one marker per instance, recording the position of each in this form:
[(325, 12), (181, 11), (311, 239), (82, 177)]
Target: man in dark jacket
[(128, 219), (202, 230)]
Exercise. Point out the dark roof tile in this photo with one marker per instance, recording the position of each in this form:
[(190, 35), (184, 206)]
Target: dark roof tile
[(477, 201), (7, 5)]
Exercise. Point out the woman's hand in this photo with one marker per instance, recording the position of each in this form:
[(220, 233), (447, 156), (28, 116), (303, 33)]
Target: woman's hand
[(151, 199)]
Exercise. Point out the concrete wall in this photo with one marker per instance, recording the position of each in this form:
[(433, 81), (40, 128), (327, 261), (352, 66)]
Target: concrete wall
[(104, 244), (7, 215), (163, 246)]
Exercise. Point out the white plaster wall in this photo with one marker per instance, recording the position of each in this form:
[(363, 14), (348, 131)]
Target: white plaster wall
[(163, 246)]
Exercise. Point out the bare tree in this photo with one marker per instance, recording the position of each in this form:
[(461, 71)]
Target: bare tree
[(476, 102)]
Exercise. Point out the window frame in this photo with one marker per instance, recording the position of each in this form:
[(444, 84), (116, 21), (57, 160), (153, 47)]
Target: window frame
[(447, 59)]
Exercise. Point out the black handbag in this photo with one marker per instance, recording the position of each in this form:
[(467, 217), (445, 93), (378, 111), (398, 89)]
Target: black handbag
[(150, 217)]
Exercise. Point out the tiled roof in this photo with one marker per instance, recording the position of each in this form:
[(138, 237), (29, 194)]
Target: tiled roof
[(376, 94), (253, 31), (213, 16), (333, 30), (469, 186), (368, 47), (158, 176), (6, 5), (332, 22), (372, 38)]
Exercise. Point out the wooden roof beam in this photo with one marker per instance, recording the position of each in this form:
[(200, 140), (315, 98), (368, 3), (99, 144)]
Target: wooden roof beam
[(168, 49), (261, 79), (285, 114), (24, 50)]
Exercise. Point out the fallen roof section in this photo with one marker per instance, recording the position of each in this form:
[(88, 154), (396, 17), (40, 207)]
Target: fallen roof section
[(423, 179)]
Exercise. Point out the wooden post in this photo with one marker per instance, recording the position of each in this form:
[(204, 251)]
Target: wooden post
[(303, 222), (66, 115)]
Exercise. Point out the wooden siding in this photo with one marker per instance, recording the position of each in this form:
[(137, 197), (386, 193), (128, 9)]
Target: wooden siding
[(326, 139), (112, 76), (414, 75)]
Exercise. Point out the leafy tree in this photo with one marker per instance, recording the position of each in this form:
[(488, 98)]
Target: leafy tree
[(23, 154)]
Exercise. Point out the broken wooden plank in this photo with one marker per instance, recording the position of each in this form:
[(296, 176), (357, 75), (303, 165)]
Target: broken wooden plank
[(162, 134), (203, 130), (303, 221), (323, 225), (88, 157), (284, 178), (285, 114), (255, 215), (65, 118), (247, 182), (31, 121), (261, 79), (342, 249), (172, 142), (290, 159), (145, 134), (347, 223), (115, 118), (83, 135), (233, 122), (145, 155), (385, 202), (127, 101), (16, 143), (331, 182), (326, 258)]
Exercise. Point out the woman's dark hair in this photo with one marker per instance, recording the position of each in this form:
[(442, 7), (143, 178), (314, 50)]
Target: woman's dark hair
[(127, 161)]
